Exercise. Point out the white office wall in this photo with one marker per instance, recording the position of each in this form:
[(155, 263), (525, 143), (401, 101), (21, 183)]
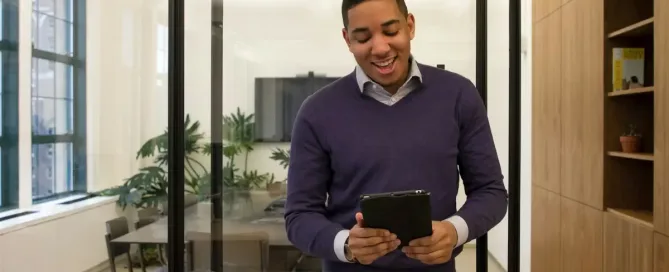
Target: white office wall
[(66, 244)]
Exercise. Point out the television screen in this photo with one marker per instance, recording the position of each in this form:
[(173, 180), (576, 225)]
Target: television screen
[(277, 101)]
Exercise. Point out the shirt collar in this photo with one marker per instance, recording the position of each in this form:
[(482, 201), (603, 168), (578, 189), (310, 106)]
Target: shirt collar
[(363, 79)]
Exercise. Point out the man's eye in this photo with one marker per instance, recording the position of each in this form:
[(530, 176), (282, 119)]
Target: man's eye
[(362, 38), (391, 33)]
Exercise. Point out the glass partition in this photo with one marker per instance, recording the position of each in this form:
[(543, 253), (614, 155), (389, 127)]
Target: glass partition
[(161, 135)]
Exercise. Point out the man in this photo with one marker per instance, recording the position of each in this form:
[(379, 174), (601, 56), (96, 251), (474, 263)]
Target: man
[(390, 125)]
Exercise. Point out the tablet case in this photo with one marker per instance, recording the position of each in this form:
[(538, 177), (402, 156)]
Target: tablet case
[(407, 214)]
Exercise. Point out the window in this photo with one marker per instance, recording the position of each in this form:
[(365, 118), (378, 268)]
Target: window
[(9, 181), (58, 100)]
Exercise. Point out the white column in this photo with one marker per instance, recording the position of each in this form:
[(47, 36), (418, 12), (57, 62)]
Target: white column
[(25, 105)]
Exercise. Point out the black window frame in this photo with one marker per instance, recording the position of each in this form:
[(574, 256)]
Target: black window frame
[(9, 164)]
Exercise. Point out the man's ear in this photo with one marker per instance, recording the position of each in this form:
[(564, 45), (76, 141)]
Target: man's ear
[(344, 34), (411, 23)]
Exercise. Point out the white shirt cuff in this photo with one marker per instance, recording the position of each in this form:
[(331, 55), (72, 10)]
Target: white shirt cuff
[(461, 229), (339, 243)]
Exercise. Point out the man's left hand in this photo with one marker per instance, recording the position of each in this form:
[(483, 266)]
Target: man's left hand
[(434, 249)]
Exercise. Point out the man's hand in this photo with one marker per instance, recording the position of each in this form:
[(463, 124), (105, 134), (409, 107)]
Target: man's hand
[(367, 244), (434, 249)]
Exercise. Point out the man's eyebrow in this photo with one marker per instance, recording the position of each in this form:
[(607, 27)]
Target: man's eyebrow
[(360, 29), (366, 29), (394, 21)]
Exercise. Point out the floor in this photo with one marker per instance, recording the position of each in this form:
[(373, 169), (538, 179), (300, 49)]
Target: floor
[(466, 262)]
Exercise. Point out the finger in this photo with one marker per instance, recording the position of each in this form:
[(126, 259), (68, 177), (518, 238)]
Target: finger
[(369, 258), (421, 242), (358, 220), (366, 242), (417, 249), (374, 249), (368, 232), (439, 256), (435, 238)]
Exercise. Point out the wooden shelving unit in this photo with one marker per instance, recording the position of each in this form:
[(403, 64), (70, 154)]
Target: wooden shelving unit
[(631, 180), (642, 28), (594, 207), (644, 90), (633, 156), (643, 217)]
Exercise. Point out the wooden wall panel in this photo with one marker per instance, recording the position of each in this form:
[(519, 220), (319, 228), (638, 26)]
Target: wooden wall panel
[(661, 180), (546, 103), (661, 253), (582, 103), (546, 237), (542, 8), (582, 236), (628, 246)]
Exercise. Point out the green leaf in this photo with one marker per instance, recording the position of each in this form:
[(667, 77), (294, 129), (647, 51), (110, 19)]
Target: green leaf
[(282, 156)]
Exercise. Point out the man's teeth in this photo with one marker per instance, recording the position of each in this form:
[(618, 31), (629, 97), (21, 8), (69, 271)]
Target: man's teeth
[(385, 63)]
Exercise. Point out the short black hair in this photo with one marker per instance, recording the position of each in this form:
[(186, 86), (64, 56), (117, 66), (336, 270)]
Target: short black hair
[(346, 5)]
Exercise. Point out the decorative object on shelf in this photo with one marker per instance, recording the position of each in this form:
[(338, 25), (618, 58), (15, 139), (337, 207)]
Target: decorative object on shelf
[(631, 140), (628, 68)]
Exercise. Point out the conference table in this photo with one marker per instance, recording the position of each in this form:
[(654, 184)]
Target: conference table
[(197, 218)]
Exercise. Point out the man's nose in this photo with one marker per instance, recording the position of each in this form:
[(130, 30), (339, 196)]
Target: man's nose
[(380, 47)]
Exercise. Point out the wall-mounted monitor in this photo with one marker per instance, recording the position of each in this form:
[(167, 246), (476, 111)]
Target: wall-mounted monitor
[(277, 101)]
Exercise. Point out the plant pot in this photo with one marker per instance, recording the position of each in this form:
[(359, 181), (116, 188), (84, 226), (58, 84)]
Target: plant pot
[(276, 189), (237, 202), (630, 144)]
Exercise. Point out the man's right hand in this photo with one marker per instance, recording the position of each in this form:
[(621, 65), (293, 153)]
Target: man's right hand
[(367, 244)]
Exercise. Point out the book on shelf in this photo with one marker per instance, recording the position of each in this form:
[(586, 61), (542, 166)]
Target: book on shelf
[(628, 68)]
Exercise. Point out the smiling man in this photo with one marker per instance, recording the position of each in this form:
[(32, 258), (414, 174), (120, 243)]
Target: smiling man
[(391, 125)]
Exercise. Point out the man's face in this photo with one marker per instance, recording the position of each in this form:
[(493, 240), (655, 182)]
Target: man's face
[(379, 37)]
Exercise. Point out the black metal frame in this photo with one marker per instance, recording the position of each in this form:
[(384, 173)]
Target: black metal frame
[(514, 135), (176, 137), (216, 137), (482, 87)]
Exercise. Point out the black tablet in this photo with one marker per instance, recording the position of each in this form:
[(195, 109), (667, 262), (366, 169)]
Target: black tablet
[(407, 213)]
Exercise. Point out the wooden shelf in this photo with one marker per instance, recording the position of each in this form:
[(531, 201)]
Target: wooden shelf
[(634, 156), (632, 91), (642, 28), (639, 216)]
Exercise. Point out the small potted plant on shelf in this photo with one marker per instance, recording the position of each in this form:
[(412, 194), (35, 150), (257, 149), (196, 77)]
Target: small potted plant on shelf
[(631, 140)]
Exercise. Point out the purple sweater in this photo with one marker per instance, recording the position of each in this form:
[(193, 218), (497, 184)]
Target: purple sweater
[(345, 143)]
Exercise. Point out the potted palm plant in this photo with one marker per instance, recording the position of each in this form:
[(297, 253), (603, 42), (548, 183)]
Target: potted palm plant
[(148, 187), (238, 141)]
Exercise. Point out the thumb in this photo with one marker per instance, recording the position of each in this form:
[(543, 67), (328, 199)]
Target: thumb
[(358, 220)]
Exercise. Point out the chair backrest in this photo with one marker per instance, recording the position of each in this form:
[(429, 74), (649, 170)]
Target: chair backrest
[(244, 251), (116, 228), (148, 213), (144, 222)]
